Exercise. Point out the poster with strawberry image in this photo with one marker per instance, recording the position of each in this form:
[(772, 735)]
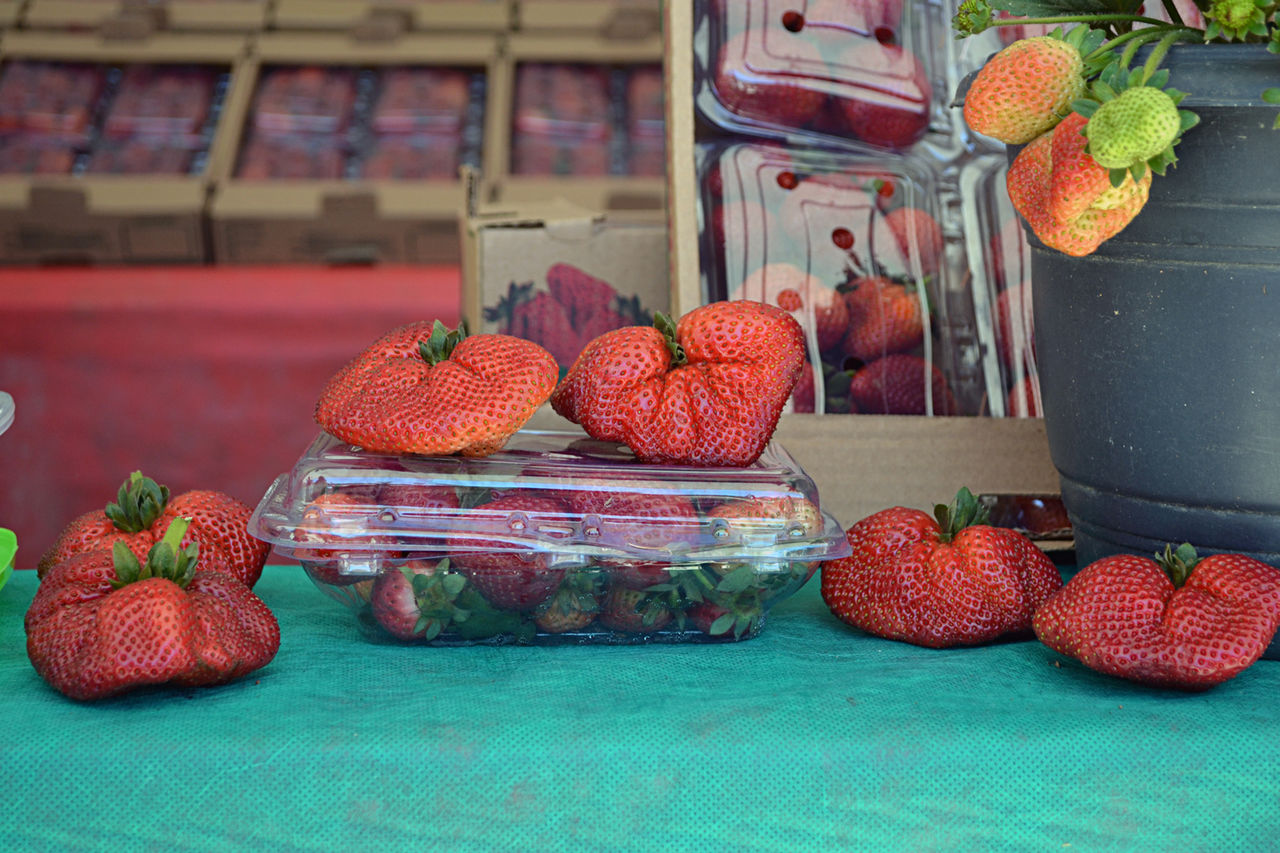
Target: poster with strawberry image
[(568, 312)]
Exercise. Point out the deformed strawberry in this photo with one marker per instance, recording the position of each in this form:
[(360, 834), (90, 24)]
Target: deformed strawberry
[(1176, 621), (424, 389)]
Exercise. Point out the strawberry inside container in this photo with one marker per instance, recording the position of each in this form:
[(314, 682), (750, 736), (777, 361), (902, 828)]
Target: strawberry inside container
[(557, 538), (173, 101), (51, 97)]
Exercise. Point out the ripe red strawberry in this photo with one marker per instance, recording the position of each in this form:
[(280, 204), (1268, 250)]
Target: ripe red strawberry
[(1178, 622), (953, 581), (762, 74), (895, 385), (804, 397), (574, 605), (1077, 181), (891, 108), (805, 296), (424, 389), (416, 601), (884, 317), (633, 611), (336, 524), (662, 522), (1025, 89), (705, 391), (103, 622), (917, 236), (1030, 184), (143, 510), (510, 578)]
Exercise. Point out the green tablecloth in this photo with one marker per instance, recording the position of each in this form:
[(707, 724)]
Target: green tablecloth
[(810, 737)]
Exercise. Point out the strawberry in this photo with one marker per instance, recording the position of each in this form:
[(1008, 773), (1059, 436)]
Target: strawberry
[(104, 622), (509, 577), (574, 605), (917, 235), (804, 397), (895, 385), (634, 521), (761, 75), (416, 601), (1176, 621), (1015, 333), (424, 389), (706, 391), (336, 523), (1025, 89), (884, 317), (947, 582), (1077, 181), (1133, 127), (891, 109), (1030, 181), (633, 611), (143, 510)]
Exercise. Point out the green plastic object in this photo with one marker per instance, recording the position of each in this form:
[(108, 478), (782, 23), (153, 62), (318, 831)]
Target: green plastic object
[(8, 547)]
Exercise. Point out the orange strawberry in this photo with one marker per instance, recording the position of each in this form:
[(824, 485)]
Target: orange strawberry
[(884, 317), (917, 235), (1025, 89), (422, 388)]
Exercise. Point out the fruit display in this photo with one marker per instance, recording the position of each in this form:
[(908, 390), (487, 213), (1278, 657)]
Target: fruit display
[(947, 580), (587, 120), (140, 155), (35, 154), (835, 181), (169, 101), (557, 538), (1176, 621), (56, 98), (347, 122)]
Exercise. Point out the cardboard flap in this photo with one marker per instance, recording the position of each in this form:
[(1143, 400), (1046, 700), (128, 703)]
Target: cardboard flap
[(359, 206), (55, 202), (137, 21)]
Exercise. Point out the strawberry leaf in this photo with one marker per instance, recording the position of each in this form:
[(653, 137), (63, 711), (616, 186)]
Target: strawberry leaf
[(139, 502), (1086, 107)]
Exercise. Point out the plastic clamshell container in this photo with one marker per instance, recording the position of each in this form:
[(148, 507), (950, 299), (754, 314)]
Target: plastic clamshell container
[(832, 71), (305, 99), (173, 101), (50, 97), (562, 99), (852, 243), (557, 538), (36, 154), (424, 99), (7, 409)]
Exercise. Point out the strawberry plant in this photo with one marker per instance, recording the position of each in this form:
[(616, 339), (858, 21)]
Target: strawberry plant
[(1128, 118)]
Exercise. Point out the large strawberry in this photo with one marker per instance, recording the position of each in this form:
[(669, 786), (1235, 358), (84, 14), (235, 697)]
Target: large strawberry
[(706, 391), (143, 510), (1025, 89), (103, 622), (424, 389), (1172, 622), (1030, 184), (938, 583)]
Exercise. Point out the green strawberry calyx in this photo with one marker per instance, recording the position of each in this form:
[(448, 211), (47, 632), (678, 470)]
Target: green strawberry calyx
[(440, 345), (667, 326), (139, 502), (167, 558), (1237, 20), (965, 511), (1178, 563)]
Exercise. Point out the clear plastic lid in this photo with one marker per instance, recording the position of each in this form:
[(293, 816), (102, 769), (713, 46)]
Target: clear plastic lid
[(560, 494), (834, 71), (168, 100), (305, 99), (562, 99), (50, 97), (425, 98)]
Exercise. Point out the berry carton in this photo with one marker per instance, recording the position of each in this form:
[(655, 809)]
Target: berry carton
[(556, 539)]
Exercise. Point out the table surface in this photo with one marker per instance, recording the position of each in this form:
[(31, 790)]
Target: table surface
[(812, 736)]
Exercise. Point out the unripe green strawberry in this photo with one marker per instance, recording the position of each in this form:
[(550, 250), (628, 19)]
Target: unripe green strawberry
[(1133, 127), (1235, 19), (1025, 89)]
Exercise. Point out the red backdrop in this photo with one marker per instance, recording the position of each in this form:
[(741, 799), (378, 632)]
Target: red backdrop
[(200, 377)]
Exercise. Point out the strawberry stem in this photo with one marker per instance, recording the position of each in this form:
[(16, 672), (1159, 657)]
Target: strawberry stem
[(139, 502), (439, 346), (667, 326), (166, 559), (965, 511), (1178, 564)]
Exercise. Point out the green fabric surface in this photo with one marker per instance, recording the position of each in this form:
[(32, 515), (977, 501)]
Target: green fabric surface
[(812, 736)]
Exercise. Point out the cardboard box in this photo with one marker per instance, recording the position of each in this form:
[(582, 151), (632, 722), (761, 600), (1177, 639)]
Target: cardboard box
[(511, 253), (613, 19), (11, 12), (141, 16), (108, 218), (611, 192), (862, 463), (341, 220), (488, 16)]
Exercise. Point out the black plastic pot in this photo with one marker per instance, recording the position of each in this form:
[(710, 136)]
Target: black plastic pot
[(1159, 355)]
